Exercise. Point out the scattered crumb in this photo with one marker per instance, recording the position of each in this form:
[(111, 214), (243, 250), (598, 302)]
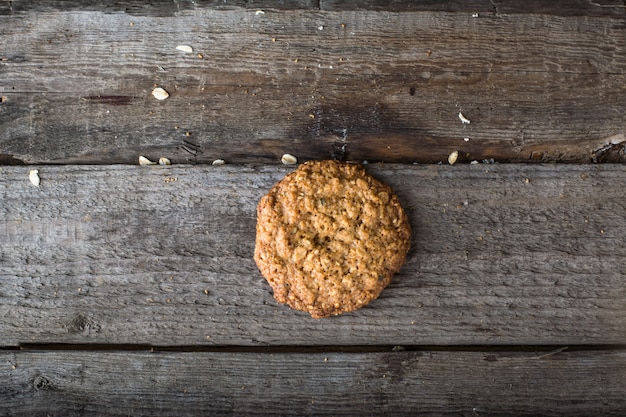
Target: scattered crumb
[(259, 12), (289, 159), (185, 48), (200, 56), (474, 14), (428, 52), (170, 179), (33, 176), (474, 162), (527, 181), (218, 162), (453, 157), (320, 27), (164, 161), (145, 161), (160, 94), (466, 139), (464, 119)]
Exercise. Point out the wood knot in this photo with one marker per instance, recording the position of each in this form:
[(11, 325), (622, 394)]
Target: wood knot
[(83, 324), (42, 383)]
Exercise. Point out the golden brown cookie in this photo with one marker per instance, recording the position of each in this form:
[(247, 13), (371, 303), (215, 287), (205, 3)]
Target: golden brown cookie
[(329, 238)]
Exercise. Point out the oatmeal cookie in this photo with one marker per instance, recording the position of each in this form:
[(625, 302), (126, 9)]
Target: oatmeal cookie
[(329, 237)]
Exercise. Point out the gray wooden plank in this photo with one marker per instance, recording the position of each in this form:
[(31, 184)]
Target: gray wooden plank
[(492, 7), (69, 383), (75, 86), (162, 8), (155, 8), (501, 254), (562, 7)]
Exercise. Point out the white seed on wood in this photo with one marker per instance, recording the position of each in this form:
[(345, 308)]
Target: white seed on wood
[(164, 161), (453, 157), (33, 176), (160, 94), (185, 48), (474, 14), (463, 118), (145, 161), (289, 159), (259, 12), (466, 139), (218, 162)]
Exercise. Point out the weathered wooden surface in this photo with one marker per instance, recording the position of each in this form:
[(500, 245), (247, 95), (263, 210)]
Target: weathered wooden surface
[(501, 254), (128, 290), (313, 80), (66, 383)]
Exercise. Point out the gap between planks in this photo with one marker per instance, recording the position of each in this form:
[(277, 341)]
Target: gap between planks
[(540, 350)]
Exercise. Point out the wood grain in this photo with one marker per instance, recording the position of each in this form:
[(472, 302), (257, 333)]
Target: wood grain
[(162, 8), (129, 290), (360, 84), (501, 254), (579, 383)]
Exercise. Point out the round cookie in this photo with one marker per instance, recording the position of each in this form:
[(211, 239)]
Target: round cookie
[(329, 238)]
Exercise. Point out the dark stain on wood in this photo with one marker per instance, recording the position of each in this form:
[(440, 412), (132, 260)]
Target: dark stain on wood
[(112, 100), (9, 160)]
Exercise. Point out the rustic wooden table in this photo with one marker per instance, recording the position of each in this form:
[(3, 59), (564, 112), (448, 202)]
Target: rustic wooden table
[(131, 290)]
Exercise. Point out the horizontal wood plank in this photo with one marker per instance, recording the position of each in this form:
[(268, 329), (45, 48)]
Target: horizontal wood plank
[(359, 84), (501, 254), (161, 8), (579, 383)]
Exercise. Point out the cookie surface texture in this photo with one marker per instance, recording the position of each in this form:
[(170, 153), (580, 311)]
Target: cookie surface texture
[(329, 238)]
